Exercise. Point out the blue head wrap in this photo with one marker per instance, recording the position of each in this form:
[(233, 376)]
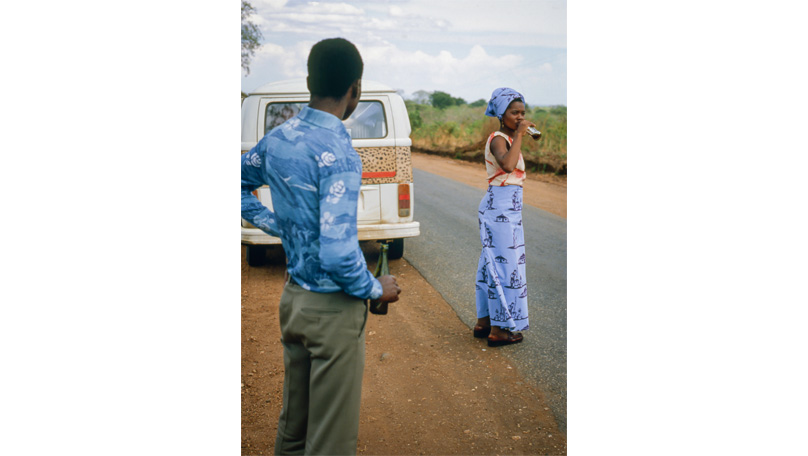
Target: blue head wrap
[(500, 100)]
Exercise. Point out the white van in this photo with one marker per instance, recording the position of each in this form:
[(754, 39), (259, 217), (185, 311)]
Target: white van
[(380, 133)]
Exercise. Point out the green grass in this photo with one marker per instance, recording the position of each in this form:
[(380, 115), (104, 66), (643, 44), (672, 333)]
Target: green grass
[(461, 132)]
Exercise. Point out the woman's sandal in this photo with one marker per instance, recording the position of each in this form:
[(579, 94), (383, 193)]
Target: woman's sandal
[(500, 341), (482, 331)]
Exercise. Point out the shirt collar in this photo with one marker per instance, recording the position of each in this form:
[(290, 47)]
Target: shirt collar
[(322, 119)]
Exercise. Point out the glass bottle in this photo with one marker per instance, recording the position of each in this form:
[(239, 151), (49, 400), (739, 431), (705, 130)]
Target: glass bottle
[(378, 307), (534, 133)]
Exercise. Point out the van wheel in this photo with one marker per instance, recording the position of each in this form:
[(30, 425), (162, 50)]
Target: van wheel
[(395, 249), (256, 255)]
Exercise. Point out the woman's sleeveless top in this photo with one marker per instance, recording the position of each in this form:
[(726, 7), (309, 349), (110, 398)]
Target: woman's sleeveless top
[(496, 176)]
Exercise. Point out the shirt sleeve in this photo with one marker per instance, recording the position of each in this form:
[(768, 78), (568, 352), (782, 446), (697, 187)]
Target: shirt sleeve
[(253, 176), (340, 255)]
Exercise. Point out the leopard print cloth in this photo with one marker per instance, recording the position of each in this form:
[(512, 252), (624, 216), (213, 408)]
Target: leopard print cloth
[(385, 165)]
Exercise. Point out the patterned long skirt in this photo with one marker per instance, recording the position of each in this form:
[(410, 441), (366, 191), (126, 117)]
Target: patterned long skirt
[(501, 284)]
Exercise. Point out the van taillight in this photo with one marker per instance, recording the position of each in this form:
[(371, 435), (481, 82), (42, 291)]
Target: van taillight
[(403, 200)]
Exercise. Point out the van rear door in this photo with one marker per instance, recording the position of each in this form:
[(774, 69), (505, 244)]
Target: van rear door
[(373, 136)]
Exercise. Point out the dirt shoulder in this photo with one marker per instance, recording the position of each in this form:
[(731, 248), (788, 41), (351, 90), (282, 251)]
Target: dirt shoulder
[(429, 386)]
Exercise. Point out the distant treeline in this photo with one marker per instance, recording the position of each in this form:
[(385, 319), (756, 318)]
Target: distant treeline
[(446, 125)]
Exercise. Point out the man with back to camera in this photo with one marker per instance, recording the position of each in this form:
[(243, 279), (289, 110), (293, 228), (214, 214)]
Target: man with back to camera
[(315, 174)]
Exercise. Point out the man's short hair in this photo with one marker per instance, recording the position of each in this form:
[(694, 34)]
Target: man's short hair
[(334, 64)]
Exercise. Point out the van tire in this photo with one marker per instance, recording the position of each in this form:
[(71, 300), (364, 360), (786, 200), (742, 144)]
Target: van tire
[(395, 249), (256, 255)]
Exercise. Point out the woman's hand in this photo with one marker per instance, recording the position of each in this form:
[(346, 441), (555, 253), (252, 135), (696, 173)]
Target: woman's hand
[(521, 128)]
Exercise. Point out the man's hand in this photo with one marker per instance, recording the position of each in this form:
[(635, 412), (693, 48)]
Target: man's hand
[(390, 289)]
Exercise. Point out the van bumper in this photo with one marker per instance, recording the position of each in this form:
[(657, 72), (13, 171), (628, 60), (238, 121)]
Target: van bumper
[(254, 236)]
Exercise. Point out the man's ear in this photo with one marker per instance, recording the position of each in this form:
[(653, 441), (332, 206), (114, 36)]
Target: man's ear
[(355, 89), (308, 84)]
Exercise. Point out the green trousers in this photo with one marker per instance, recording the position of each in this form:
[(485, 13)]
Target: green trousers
[(323, 336)]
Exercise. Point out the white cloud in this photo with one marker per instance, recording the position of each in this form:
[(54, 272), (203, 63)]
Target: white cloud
[(537, 21), (419, 70), (424, 45), (333, 19), (280, 62), (262, 5), (525, 17), (333, 8), (471, 76)]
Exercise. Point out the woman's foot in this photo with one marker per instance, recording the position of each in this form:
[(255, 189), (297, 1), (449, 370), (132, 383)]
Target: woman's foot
[(500, 337), (483, 327), (481, 332)]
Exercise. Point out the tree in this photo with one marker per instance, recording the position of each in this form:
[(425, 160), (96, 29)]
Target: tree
[(441, 100), (421, 97), (250, 36), (479, 103)]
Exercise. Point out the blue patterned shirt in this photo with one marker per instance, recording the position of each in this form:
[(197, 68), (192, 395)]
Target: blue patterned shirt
[(314, 175)]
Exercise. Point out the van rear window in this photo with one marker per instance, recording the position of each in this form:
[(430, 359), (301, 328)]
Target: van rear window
[(366, 122), (278, 113)]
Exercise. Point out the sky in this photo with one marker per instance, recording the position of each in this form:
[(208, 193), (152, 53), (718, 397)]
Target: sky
[(465, 48)]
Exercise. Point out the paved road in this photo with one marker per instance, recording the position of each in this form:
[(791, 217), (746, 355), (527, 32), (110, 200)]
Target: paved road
[(446, 254)]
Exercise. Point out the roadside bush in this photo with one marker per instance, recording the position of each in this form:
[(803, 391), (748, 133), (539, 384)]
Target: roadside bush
[(415, 119), (461, 131), (559, 110)]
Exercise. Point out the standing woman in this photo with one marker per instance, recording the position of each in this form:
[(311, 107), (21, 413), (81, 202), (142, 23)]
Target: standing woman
[(501, 287)]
